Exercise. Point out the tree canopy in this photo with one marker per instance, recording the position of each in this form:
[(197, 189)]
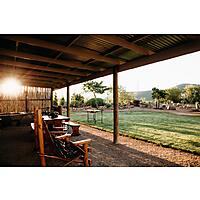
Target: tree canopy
[(62, 101), (77, 100), (55, 100), (95, 87)]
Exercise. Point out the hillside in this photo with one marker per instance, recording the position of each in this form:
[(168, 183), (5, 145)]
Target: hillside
[(147, 94)]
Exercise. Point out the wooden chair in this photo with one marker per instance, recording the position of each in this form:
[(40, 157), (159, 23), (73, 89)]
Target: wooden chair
[(62, 148), (57, 145)]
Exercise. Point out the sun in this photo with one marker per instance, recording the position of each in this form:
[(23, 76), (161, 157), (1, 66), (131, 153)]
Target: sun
[(11, 87)]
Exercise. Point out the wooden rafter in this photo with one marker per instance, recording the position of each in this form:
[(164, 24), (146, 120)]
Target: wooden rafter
[(68, 50), (68, 45), (30, 77), (182, 49), (26, 80), (44, 68), (68, 64), (116, 48), (12, 71), (123, 43)]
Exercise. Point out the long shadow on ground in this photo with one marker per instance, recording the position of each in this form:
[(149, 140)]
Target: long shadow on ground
[(105, 153), (17, 149)]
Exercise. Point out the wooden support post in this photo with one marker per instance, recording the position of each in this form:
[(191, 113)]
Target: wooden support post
[(68, 102), (51, 99), (116, 108), (26, 100), (41, 139), (36, 128)]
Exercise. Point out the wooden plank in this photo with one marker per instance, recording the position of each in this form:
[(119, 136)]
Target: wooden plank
[(38, 83), (11, 70), (188, 47), (179, 50), (123, 43), (41, 139), (28, 80), (68, 50), (36, 128), (32, 77), (51, 98), (116, 106), (44, 68), (68, 64)]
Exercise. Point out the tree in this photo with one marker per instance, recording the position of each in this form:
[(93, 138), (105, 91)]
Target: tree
[(62, 101), (124, 96), (192, 94), (174, 95), (55, 100), (96, 88), (158, 95), (92, 102), (77, 100)]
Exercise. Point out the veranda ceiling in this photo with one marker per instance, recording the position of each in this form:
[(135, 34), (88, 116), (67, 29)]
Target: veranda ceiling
[(57, 61)]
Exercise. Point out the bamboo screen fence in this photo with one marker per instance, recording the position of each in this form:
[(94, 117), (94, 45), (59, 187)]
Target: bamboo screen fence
[(26, 100)]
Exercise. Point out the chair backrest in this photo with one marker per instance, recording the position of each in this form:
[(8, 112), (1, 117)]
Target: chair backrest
[(60, 148)]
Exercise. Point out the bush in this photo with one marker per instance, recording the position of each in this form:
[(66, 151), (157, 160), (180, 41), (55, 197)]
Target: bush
[(108, 105), (92, 102)]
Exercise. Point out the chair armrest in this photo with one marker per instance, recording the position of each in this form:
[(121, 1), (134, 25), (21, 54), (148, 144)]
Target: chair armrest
[(58, 128), (66, 137), (57, 132), (80, 142)]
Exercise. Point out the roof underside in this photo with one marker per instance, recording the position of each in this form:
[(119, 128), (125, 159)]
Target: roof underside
[(57, 61)]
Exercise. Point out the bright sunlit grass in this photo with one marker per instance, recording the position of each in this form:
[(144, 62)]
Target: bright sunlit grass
[(181, 132), (10, 87)]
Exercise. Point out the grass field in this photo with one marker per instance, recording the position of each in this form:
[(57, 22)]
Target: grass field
[(181, 132)]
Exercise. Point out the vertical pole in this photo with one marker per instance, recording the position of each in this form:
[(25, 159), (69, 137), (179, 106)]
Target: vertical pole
[(68, 102), (51, 98), (41, 139), (115, 104), (36, 128), (26, 99)]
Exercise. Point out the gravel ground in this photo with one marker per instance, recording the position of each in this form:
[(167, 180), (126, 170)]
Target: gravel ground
[(17, 149), (132, 152)]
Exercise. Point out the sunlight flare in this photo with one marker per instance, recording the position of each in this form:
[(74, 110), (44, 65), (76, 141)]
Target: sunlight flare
[(10, 86)]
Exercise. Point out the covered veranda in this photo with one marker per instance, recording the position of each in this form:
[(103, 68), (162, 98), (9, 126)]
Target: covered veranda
[(57, 61)]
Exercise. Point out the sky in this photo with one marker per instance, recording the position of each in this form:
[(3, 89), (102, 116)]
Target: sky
[(164, 74)]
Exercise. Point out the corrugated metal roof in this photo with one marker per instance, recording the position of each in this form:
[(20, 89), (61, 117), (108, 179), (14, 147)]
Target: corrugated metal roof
[(91, 55)]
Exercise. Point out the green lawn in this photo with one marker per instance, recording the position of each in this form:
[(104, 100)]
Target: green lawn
[(182, 132)]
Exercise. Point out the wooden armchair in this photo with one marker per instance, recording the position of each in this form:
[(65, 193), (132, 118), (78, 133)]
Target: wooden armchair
[(62, 148)]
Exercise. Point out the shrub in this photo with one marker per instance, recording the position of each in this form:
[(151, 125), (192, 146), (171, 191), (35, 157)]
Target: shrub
[(108, 105), (92, 102)]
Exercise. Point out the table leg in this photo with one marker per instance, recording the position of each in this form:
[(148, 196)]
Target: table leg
[(94, 117)]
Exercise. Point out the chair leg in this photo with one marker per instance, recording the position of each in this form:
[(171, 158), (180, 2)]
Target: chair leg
[(90, 162), (85, 148)]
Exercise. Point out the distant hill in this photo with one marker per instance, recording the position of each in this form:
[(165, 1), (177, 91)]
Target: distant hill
[(147, 94), (182, 86)]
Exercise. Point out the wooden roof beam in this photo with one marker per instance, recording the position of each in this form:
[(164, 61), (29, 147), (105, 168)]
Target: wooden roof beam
[(123, 43), (36, 82), (44, 68), (69, 64), (10, 69), (182, 49), (36, 79), (85, 53)]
